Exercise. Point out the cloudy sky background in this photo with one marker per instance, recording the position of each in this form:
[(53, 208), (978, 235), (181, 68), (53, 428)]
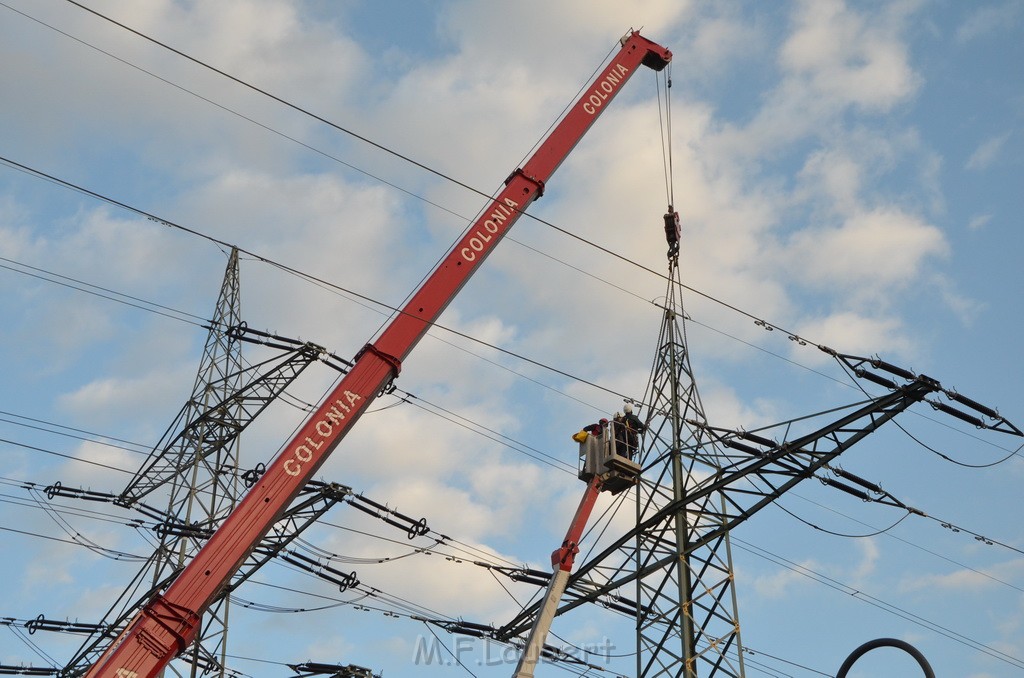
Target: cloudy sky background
[(846, 171)]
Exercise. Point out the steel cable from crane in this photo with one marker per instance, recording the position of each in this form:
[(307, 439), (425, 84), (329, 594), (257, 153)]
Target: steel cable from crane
[(665, 125)]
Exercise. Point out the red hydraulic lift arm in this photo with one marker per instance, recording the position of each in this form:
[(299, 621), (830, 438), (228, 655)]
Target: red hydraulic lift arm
[(562, 561), (169, 623)]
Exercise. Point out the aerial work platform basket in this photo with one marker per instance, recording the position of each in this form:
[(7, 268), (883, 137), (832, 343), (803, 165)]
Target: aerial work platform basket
[(598, 457)]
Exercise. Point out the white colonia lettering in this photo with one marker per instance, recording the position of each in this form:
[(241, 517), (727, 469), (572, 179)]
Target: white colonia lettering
[(486, 231), (324, 427), (604, 89)]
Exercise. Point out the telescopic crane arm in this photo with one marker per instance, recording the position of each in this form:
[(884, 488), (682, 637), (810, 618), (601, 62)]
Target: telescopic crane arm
[(170, 622)]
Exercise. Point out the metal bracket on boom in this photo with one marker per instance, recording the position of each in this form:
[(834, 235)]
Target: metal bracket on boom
[(392, 361), (518, 172), (655, 60)]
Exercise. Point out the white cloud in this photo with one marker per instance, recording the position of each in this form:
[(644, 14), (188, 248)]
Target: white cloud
[(781, 582), (106, 401), (870, 555), (967, 580), (964, 307), (838, 176), (979, 222), (834, 60), (848, 57), (987, 153), (849, 332), (717, 37), (870, 255), (991, 18), (726, 408)]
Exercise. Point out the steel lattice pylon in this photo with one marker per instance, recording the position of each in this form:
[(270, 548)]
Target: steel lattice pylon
[(195, 466), (210, 488), (688, 622), (699, 482)]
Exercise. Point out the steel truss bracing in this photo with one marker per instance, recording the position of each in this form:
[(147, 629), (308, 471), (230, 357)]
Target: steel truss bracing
[(682, 542), (315, 500), (196, 441)]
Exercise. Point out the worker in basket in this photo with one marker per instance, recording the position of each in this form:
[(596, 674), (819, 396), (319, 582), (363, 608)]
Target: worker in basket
[(626, 430), (597, 430)]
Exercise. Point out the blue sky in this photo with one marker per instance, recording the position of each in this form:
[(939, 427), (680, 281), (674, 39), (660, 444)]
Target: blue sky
[(849, 171)]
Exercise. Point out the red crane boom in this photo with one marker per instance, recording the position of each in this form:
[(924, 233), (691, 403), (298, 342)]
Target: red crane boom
[(170, 621)]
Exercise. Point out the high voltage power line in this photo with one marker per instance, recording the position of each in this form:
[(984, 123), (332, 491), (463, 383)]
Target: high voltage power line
[(757, 550), (759, 321), (748, 315), (142, 304)]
